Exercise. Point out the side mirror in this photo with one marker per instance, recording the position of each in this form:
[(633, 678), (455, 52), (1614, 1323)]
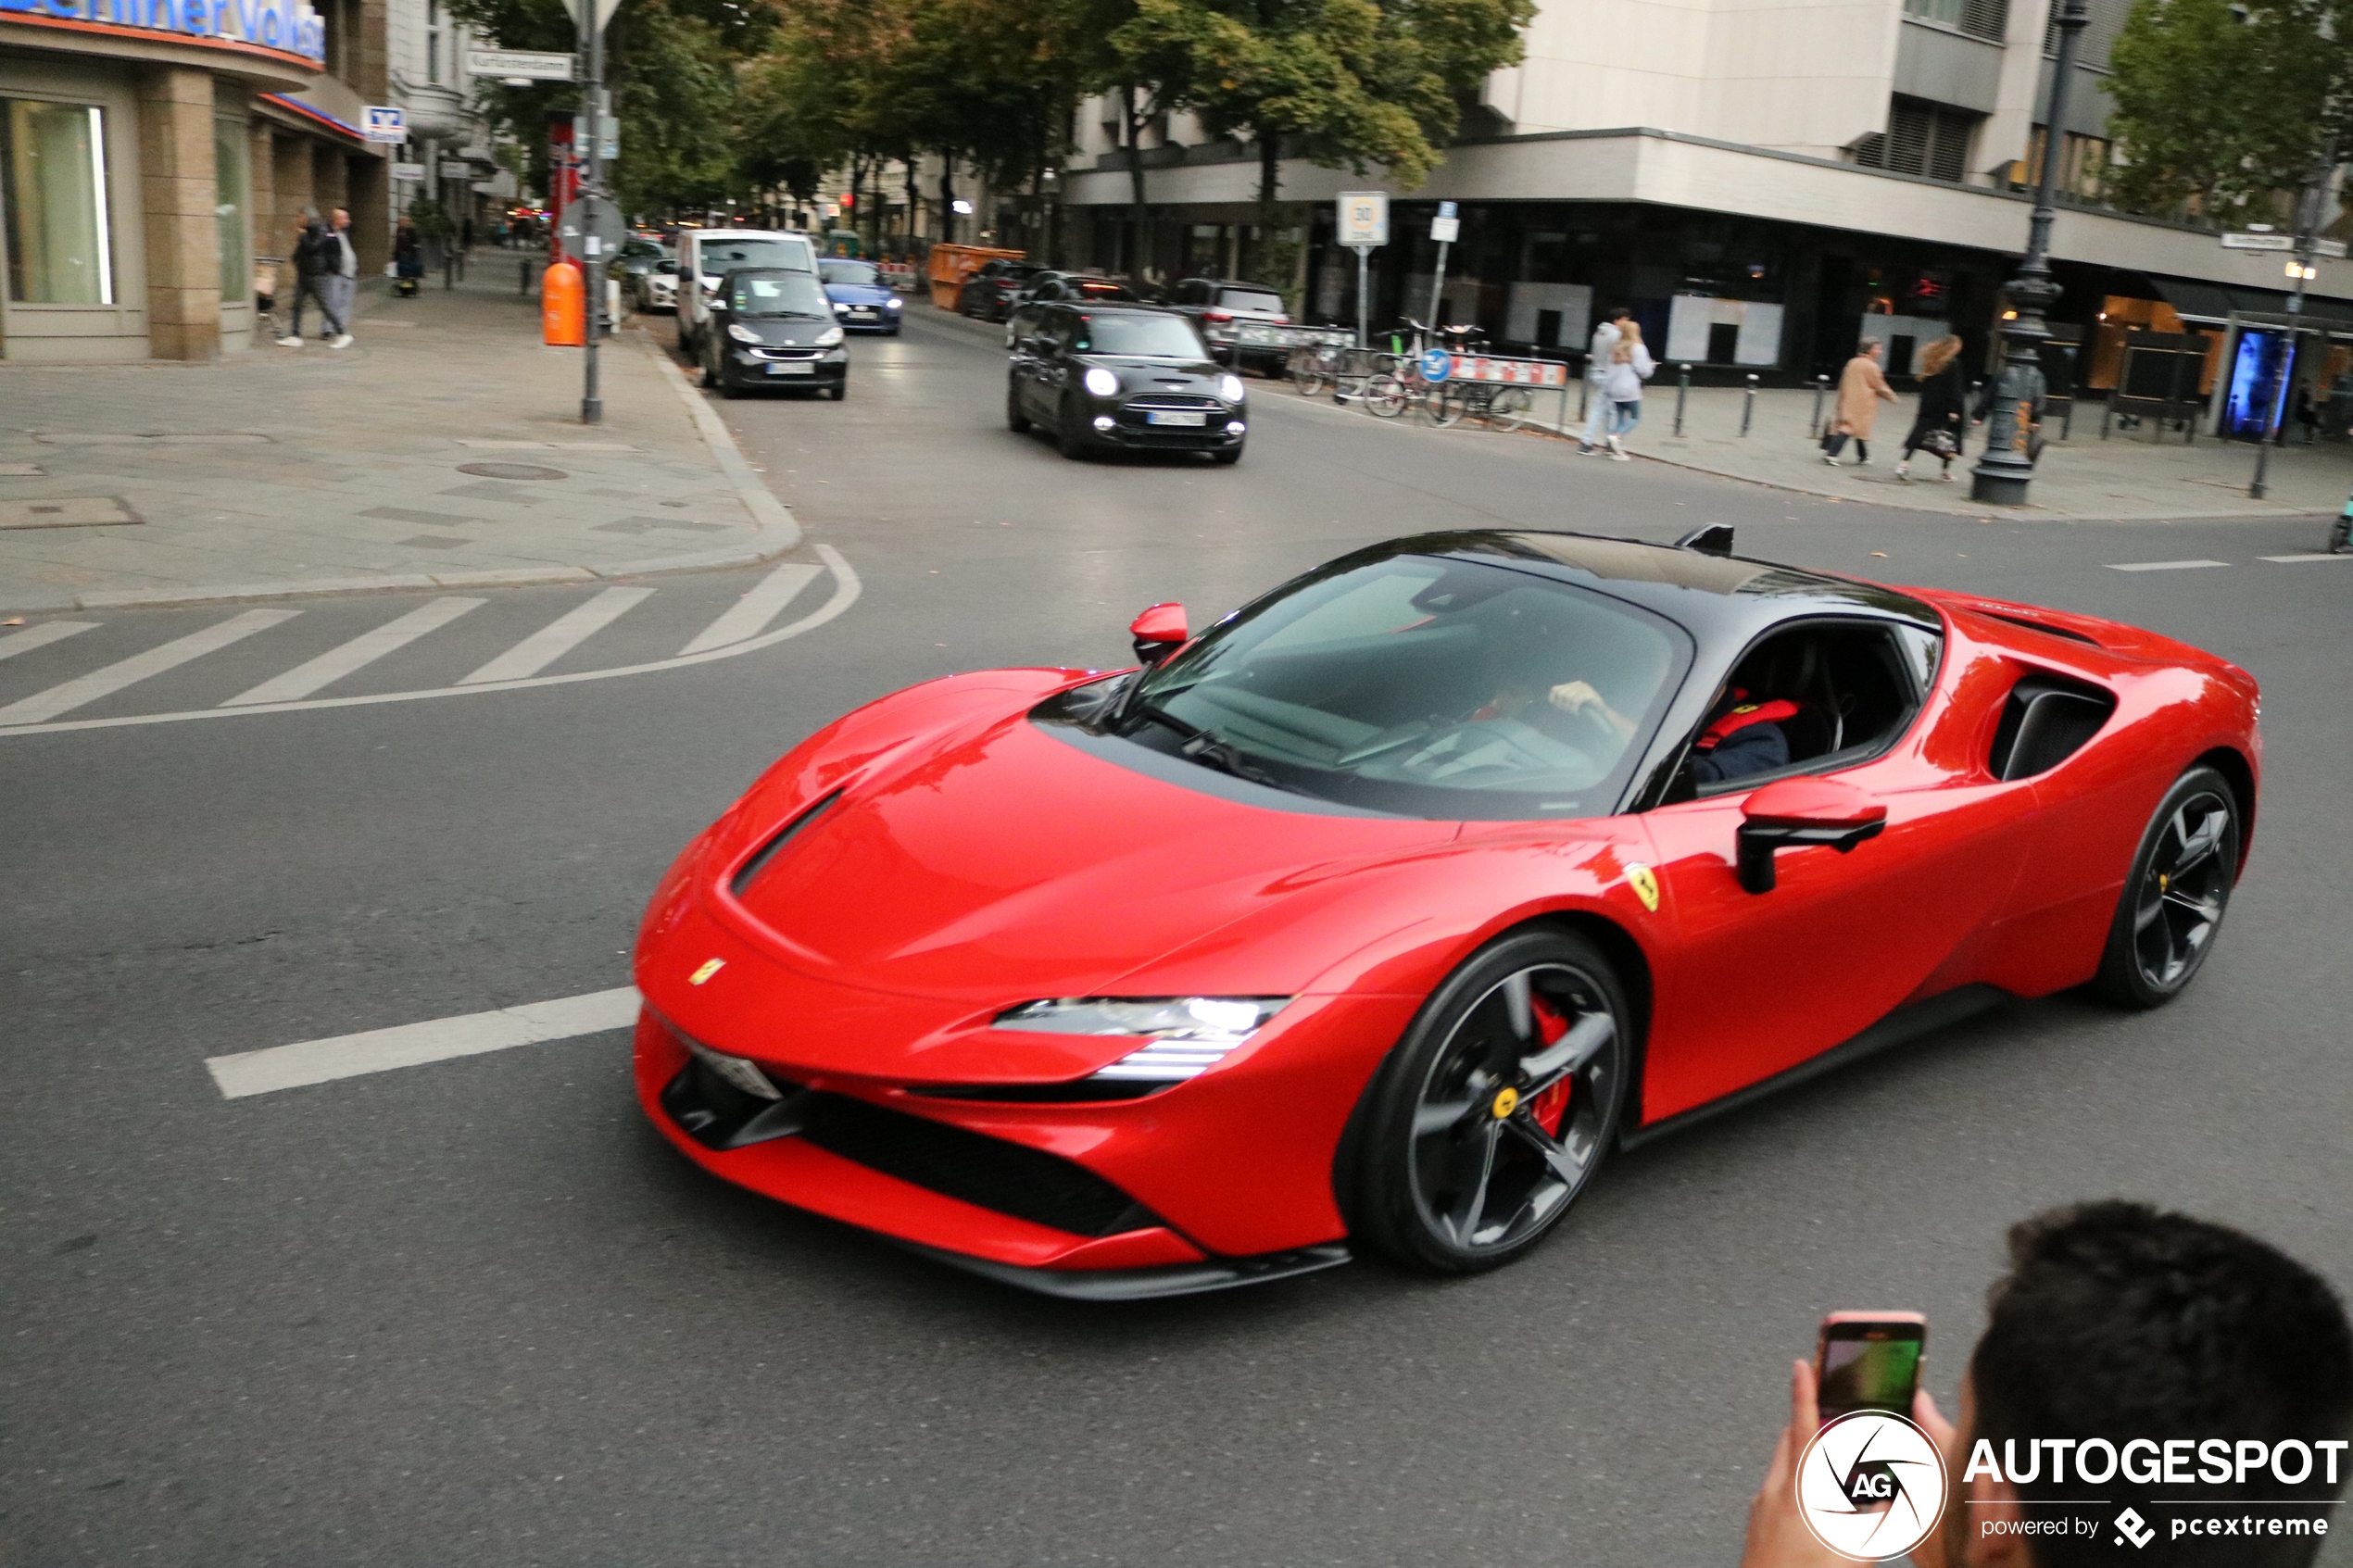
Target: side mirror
[(1796, 812), (1158, 633)]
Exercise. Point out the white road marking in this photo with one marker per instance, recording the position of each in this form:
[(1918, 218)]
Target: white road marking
[(2282, 559), (847, 587), (2163, 565), (561, 635), (411, 1045), (314, 674), (33, 637), (747, 616), (42, 706)]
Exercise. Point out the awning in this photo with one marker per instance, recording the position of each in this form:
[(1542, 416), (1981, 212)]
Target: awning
[(2196, 302), (2213, 305)]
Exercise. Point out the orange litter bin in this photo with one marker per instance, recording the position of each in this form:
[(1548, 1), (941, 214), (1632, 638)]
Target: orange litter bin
[(563, 313)]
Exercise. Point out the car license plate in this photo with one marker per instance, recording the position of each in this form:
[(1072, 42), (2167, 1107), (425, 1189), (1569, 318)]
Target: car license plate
[(792, 370), (1158, 418)]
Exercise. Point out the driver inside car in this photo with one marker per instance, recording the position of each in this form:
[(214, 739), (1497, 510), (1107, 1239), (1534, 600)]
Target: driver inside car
[(1573, 699), (1743, 737)]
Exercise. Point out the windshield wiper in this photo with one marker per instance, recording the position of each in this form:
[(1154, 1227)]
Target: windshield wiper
[(1208, 748)]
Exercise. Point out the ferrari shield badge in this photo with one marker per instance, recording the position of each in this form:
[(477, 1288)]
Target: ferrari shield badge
[(1644, 883), (712, 966)]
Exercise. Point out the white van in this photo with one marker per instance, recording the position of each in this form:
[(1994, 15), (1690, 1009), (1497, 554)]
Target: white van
[(705, 255)]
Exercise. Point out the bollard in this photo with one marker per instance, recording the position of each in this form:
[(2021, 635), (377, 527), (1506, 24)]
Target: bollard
[(1748, 405), (523, 274), (1821, 389), (1682, 391), (1584, 397)]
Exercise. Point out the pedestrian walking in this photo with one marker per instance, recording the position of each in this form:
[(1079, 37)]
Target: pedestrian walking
[(326, 272), (407, 258), (308, 266), (1599, 414), (1936, 429), (342, 279), (1861, 389), (1629, 366), (2308, 413)]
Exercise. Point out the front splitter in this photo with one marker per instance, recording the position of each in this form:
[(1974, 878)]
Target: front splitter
[(1144, 1285)]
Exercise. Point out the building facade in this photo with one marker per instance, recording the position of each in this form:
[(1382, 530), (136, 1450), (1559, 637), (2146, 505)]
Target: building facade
[(1761, 183), (152, 152)]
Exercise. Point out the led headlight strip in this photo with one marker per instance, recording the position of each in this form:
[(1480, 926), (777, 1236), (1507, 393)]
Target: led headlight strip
[(1187, 1035)]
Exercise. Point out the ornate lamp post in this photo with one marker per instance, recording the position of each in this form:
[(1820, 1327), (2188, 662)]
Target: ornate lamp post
[(2003, 474)]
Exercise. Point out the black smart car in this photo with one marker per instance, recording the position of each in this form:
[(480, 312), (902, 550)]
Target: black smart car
[(1131, 376), (772, 328)]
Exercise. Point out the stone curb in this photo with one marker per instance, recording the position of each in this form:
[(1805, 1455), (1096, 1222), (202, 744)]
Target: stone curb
[(779, 532)]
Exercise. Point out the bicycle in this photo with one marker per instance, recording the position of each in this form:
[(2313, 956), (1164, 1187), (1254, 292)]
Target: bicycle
[(1498, 406)]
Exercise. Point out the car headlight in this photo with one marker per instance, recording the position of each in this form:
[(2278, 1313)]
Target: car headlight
[(1231, 389), (829, 338), (839, 308), (1101, 382), (1189, 1035), (742, 334), (891, 305)]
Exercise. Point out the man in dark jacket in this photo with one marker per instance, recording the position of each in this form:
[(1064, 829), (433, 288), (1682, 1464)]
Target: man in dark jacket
[(325, 272)]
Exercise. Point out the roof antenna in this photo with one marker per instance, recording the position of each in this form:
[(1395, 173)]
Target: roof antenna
[(1708, 539)]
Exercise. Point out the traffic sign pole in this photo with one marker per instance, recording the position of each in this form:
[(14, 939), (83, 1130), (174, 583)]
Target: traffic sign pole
[(592, 402), (1442, 229)]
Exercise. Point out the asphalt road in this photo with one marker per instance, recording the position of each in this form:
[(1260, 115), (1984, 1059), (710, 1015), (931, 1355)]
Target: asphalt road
[(475, 1311)]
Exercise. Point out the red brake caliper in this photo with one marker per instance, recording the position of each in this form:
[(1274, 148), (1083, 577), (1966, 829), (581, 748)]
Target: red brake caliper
[(1551, 1106)]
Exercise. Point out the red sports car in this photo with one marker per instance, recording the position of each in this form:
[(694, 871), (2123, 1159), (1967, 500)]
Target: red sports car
[(1374, 915)]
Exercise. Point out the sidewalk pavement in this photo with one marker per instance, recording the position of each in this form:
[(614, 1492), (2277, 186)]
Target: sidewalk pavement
[(2131, 476), (442, 449)]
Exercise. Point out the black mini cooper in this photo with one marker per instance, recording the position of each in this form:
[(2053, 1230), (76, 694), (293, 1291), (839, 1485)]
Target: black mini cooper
[(1101, 376), (772, 328)]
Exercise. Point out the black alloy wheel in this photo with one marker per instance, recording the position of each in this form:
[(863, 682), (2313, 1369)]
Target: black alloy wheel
[(1015, 420), (2173, 900), (1495, 1110)]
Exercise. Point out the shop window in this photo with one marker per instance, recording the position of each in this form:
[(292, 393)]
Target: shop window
[(233, 208), (52, 183)]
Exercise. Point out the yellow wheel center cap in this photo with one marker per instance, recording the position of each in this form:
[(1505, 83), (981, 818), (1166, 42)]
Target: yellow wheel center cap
[(1506, 1102), (2162, 881)]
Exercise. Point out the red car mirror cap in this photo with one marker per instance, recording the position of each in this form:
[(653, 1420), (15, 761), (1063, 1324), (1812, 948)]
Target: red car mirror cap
[(1830, 802), (1158, 633)]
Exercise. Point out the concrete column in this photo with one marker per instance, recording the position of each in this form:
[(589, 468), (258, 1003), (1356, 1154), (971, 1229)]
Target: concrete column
[(176, 202), (268, 232), (367, 180), (291, 182)]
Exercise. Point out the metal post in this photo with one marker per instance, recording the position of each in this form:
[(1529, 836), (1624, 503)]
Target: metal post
[(2278, 399), (1363, 266), (2107, 409), (522, 273), (1438, 289), (1821, 389), (2007, 469), (1748, 405), (592, 402), (1584, 395), (1682, 391)]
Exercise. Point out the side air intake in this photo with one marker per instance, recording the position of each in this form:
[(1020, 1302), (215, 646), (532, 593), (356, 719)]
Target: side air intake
[(2046, 721)]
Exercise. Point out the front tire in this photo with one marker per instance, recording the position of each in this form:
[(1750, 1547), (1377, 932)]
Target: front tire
[(1067, 439), (1491, 1115), (2174, 897), (1015, 420)]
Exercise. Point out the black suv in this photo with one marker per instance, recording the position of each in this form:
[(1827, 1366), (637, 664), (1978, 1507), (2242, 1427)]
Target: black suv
[(989, 293), (1130, 376), (1224, 310)]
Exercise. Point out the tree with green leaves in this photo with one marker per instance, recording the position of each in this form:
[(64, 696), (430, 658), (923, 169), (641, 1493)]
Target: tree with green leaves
[(2227, 105)]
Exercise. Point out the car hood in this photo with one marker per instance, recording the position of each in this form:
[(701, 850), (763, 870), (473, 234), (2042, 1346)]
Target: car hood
[(785, 332), (1001, 861)]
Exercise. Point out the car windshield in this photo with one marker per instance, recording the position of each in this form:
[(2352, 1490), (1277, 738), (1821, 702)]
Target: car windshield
[(778, 294), (855, 274), (1432, 687), (1250, 299), (725, 256), (1152, 336)]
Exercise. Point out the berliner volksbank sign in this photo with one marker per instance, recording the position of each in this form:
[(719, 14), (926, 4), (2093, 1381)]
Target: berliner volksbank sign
[(287, 25)]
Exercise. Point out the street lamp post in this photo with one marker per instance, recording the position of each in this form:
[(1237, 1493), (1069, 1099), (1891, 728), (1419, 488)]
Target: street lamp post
[(2007, 468), (592, 401)]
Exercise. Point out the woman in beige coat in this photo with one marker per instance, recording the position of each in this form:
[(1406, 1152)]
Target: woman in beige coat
[(1861, 389)]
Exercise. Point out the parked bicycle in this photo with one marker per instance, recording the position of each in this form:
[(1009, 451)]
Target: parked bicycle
[(1406, 385)]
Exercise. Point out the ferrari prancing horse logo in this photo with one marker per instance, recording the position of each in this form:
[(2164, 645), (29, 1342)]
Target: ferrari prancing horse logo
[(1645, 885)]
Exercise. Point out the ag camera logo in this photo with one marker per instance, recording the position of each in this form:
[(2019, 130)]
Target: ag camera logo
[(1870, 1486)]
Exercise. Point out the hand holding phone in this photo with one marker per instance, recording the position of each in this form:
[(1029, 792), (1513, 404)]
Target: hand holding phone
[(1868, 1361)]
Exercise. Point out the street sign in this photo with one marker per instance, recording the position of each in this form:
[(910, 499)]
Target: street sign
[(1445, 231), (1363, 217), (1437, 364), (383, 124), (1446, 209), (603, 12), (408, 172), (527, 64), (2333, 249), (2259, 241)]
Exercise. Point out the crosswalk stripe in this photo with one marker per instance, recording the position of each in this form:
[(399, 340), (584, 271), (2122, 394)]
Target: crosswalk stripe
[(89, 688), (362, 650), (33, 637), (411, 1045), (2163, 565), (2282, 559), (561, 635), (750, 615)]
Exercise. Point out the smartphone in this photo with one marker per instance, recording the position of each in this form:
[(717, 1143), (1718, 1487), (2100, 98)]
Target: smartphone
[(1869, 1361)]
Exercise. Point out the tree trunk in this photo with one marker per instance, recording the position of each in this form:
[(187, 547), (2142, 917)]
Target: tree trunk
[(914, 199), (947, 195), (1142, 221)]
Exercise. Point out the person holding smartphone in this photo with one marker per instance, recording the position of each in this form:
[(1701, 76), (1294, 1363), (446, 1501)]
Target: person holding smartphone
[(2117, 1323)]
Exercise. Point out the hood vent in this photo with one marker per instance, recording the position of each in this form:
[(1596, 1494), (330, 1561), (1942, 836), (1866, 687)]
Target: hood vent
[(768, 851)]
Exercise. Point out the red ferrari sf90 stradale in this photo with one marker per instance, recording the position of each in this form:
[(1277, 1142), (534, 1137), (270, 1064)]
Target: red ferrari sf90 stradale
[(1376, 915)]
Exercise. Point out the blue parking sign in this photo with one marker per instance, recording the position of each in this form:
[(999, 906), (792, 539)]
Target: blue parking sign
[(1437, 364)]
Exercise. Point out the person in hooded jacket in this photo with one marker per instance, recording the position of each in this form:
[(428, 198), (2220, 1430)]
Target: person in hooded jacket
[(1629, 366)]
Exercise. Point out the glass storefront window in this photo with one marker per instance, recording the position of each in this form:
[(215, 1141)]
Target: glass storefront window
[(52, 183), (232, 199)]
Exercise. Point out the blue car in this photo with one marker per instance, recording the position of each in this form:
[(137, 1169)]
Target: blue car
[(863, 302)]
